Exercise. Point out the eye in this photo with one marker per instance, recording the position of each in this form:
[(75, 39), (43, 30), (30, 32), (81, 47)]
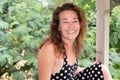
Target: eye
[(64, 21), (75, 21)]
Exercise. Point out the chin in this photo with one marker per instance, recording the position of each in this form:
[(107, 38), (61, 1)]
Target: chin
[(73, 38)]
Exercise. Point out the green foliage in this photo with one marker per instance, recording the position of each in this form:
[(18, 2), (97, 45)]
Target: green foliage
[(115, 28), (22, 25), (89, 6), (18, 76), (114, 63), (89, 46)]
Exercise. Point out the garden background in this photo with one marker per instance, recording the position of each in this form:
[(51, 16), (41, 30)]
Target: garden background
[(24, 24)]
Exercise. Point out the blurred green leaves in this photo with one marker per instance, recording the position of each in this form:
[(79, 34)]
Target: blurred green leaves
[(23, 26)]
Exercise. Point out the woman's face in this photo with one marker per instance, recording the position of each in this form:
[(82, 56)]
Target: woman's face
[(69, 25)]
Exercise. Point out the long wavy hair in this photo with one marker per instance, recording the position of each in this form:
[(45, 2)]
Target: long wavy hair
[(54, 34)]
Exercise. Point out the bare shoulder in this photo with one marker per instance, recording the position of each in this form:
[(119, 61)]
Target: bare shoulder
[(46, 53), (46, 60), (46, 50)]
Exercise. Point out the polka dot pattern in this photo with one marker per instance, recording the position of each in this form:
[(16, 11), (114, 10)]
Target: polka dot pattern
[(93, 72), (67, 72)]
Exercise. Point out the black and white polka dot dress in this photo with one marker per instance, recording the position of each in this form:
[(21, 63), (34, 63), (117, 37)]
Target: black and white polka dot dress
[(93, 72), (67, 72)]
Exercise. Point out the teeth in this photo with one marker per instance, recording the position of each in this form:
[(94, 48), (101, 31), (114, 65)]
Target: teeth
[(70, 32)]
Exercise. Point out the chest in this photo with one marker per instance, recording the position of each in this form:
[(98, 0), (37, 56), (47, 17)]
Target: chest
[(65, 71)]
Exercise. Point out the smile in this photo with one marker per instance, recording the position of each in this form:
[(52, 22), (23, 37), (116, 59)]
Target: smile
[(71, 32)]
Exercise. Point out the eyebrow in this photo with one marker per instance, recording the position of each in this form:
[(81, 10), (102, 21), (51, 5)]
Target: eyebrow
[(67, 19), (75, 18)]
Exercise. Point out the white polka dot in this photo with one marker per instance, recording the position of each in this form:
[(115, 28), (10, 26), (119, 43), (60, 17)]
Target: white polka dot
[(96, 69), (61, 74), (71, 75), (91, 75), (79, 75), (101, 76), (65, 71), (87, 70), (69, 68), (83, 78), (90, 68), (84, 74), (99, 66), (64, 77), (57, 77), (63, 68), (92, 71), (64, 63), (98, 72), (87, 76), (93, 65), (95, 75)]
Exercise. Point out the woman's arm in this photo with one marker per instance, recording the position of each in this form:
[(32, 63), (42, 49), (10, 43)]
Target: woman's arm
[(106, 73), (45, 62)]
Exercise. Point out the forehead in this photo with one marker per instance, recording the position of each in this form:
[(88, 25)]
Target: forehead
[(68, 14)]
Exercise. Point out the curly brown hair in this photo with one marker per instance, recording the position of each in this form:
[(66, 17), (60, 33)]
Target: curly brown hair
[(54, 34)]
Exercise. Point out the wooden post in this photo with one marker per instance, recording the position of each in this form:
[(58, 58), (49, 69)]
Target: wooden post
[(102, 38)]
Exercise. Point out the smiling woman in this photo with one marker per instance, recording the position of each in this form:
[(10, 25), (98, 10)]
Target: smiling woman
[(58, 55), (69, 25)]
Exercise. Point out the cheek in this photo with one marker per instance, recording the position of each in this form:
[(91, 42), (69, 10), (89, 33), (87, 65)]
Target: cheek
[(62, 28), (78, 28)]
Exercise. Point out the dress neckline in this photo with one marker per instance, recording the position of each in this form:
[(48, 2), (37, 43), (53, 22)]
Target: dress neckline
[(66, 59)]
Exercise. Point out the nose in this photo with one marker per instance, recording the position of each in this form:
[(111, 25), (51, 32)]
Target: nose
[(71, 24)]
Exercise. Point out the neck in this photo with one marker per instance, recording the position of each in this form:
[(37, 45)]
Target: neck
[(68, 44)]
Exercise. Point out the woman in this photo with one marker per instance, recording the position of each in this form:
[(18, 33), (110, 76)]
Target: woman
[(58, 55)]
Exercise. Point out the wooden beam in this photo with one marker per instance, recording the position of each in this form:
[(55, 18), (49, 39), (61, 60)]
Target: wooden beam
[(102, 34)]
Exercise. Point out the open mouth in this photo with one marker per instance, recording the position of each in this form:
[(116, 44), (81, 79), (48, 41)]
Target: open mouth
[(71, 32)]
